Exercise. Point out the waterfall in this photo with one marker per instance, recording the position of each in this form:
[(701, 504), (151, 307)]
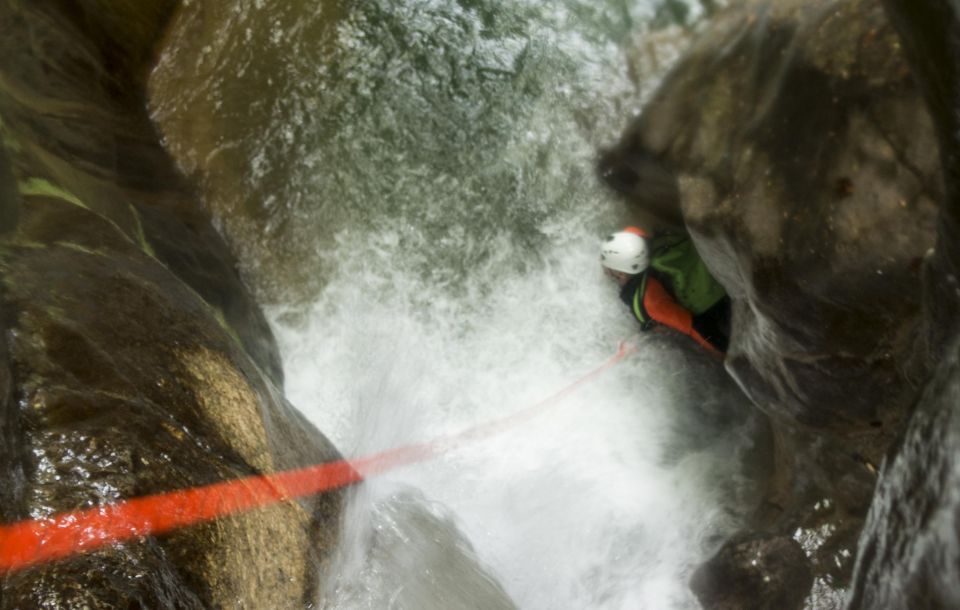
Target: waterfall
[(410, 188)]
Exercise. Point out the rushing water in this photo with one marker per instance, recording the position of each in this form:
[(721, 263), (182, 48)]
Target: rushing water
[(409, 185)]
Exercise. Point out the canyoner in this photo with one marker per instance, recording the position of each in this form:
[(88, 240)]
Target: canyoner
[(664, 281)]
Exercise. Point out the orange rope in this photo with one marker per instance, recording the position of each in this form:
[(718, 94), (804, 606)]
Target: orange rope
[(31, 542)]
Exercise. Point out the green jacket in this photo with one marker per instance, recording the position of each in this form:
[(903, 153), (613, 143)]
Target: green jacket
[(675, 262)]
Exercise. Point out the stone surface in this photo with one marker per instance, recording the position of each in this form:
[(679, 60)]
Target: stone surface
[(230, 100), (909, 554), (74, 112), (760, 572), (133, 360)]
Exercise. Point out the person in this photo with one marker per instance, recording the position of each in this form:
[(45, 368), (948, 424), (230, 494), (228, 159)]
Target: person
[(664, 281)]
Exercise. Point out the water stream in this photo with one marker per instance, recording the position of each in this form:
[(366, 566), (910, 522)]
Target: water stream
[(409, 185)]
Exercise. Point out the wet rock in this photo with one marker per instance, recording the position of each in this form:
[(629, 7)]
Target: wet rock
[(73, 111), (125, 383), (757, 572), (818, 493), (133, 360), (436, 560), (909, 554), (223, 78), (929, 31)]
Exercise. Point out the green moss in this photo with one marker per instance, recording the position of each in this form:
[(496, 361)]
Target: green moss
[(141, 236), (29, 245), (79, 248), (8, 140), (43, 187), (222, 320)]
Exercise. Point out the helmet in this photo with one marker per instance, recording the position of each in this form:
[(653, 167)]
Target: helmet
[(625, 251)]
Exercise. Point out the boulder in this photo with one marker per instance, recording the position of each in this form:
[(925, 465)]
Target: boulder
[(134, 361), (759, 572)]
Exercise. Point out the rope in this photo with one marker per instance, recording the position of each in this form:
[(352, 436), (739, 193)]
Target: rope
[(36, 541)]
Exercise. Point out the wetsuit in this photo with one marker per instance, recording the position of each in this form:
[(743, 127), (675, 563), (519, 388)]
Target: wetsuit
[(678, 291)]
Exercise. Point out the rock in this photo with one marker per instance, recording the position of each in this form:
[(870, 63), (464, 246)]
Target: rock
[(909, 555), (123, 382), (413, 556), (69, 109), (757, 572), (133, 360), (929, 31), (219, 135)]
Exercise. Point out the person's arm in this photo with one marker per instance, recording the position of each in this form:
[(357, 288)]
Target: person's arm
[(662, 308)]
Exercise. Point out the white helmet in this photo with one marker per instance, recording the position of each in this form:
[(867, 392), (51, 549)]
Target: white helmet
[(625, 251)]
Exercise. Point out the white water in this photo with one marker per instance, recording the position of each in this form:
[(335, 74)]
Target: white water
[(577, 509), (580, 508)]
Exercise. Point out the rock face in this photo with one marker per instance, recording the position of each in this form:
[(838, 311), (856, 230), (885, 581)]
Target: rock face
[(795, 146), (133, 359), (910, 549)]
